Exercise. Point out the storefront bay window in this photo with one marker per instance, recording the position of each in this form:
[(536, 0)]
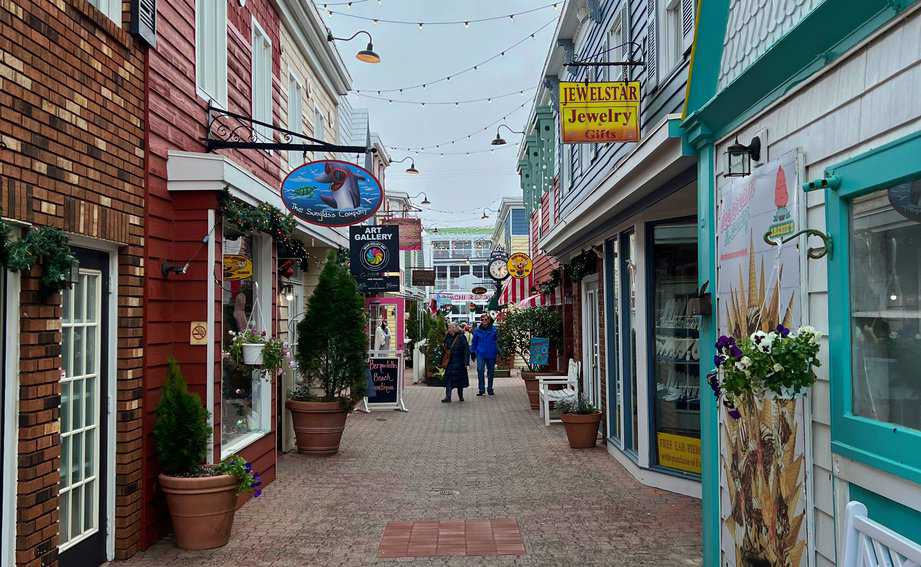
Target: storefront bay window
[(246, 394), (874, 281)]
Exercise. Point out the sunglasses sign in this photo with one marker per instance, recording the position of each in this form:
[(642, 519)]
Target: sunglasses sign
[(332, 193), (600, 112)]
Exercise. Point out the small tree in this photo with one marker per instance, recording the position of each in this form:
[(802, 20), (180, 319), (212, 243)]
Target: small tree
[(332, 349), (182, 432), (435, 341), (520, 326)]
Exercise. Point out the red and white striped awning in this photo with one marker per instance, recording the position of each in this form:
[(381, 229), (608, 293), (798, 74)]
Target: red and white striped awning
[(522, 292)]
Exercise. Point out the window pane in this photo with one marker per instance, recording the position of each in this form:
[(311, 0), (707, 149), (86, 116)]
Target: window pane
[(91, 310), (79, 352), (76, 467), (885, 292), (65, 407), (64, 515)]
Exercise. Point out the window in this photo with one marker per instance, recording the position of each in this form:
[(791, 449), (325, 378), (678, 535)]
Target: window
[(319, 126), (479, 271), (672, 40), (111, 8), (246, 395), (262, 82), (461, 248), (211, 50), (441, 277), (874, 303), (616, 50), (295, 117), (458, 271)]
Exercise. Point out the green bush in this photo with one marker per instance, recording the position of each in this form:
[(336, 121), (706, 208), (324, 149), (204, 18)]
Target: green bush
[(332, 349), (182, 433), (520, 326)]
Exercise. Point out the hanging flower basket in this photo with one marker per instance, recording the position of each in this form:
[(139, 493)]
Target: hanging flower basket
[(252, 353)]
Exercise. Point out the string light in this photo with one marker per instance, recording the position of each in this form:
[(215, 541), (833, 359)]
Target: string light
[(448, 102), (475, 67), (466, 153), (554, 5), (464, 137)]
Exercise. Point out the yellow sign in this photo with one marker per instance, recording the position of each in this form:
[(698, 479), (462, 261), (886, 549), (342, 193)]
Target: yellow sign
[(519, 265), (237, 267), (198, 333), (600, 112), (679, 452)]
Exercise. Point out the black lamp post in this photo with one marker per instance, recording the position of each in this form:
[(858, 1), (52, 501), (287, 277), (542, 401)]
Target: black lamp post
[(499, 140), (412, 166), (368, 55), (740, 157), (425, 198)]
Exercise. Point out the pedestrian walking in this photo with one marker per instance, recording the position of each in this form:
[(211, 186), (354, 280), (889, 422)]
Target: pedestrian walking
[(485, 348), (455, 360)]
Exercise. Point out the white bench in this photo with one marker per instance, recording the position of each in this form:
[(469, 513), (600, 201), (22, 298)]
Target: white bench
[(570, 389), (869, 544)]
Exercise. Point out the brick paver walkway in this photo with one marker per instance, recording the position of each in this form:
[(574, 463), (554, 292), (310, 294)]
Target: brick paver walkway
[(483, 459)]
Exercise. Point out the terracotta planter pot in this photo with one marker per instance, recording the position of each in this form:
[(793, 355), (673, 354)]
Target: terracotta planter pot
[(531, 386), (581, 430), (202, 509), (318, 426)]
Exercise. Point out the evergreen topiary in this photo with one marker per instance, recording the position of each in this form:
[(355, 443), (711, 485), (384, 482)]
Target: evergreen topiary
[(435, 342), (182, 432), (332, 347), (522, 325)]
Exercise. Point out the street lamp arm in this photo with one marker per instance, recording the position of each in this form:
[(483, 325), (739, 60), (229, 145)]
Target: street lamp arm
[(507, 128), (330, 37)]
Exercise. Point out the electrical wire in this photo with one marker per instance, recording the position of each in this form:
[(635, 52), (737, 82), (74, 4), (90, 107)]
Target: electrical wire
[(422, 149), (475, 67), (422, 23), (448, 102)]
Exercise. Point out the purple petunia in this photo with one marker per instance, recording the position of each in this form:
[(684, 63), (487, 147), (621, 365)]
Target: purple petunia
[(782, 331), (257, 493), (718, 359), (248, 467), (724, 342), (713, 380), (735, 352), (735, 414)]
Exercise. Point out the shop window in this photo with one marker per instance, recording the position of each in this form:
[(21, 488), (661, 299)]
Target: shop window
[(211, 50), (674, 346), (246, 300), (629, 290), (262, 81), (874, 288)]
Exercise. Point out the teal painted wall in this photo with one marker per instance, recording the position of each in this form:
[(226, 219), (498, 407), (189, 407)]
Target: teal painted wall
[(896, 517)]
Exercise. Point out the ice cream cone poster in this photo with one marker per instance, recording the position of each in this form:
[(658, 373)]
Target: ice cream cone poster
[(600, 112)]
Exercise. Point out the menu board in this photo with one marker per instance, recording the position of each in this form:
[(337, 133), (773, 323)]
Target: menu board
[(385, 377)]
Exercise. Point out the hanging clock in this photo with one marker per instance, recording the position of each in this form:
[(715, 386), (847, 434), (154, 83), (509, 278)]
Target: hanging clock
[(498, 269)]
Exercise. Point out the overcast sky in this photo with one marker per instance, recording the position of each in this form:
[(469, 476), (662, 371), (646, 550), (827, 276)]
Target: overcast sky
[(459, 186)]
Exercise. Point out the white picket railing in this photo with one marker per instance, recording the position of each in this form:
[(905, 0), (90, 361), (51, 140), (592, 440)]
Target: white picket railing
[(869, 544)]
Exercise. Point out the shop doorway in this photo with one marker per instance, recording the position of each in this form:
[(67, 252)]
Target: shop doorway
[(84, 470), (591, 347), (296, 305), (629, 289), (612, 338)]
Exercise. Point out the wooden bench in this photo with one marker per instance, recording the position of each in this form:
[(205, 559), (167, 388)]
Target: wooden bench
[(557, 388), (869, 544)]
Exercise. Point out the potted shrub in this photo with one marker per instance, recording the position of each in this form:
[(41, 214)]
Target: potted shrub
[(252, 348), (515, 334), (581, 420), (201, 498), (332, 359)]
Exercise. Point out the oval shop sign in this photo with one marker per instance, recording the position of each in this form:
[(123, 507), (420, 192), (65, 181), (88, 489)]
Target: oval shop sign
[(331, 193)]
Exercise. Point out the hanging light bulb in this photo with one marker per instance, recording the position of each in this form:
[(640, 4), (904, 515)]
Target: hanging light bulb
[(466, 24)]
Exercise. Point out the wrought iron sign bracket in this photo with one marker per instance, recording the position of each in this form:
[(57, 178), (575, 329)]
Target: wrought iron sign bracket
[(814, 253), (229, 130)]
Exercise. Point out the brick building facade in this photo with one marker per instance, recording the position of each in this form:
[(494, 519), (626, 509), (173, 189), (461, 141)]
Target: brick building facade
[(72, 127)]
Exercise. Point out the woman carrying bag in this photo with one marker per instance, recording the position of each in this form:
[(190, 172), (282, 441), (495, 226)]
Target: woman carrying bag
[(454, 361)]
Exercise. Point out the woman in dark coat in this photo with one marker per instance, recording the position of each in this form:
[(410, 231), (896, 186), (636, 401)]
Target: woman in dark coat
[(456, 369)]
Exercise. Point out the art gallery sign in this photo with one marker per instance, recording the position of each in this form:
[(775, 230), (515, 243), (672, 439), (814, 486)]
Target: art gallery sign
[(600, 112)]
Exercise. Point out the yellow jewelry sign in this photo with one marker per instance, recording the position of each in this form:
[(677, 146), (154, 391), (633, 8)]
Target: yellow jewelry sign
[(679, 452), (600, 112)]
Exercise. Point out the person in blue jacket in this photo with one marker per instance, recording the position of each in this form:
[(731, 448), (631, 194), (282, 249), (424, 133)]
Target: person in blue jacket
[(485, 349)]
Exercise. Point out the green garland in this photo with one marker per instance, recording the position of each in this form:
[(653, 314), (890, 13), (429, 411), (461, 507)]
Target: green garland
[(268, 219), (547, 287), (47, 246), (581, 266)]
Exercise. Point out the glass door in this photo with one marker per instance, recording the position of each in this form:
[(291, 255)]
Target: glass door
[(674, 348), (629, 284), (591, 353), (612, 323), (82, 490)]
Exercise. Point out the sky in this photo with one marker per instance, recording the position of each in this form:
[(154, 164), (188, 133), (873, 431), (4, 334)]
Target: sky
[(459, 186)]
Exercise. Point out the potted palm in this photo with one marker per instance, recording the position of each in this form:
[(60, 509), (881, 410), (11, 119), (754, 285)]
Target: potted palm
[(201, 498), (581, 420), (515, 334), (332, 359)]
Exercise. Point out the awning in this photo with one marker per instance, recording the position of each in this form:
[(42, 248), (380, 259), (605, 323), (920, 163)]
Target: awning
[(541, 300), (523, 293)]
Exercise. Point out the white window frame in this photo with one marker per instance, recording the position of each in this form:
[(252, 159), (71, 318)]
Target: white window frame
[(211, 51), (295, 123), (9, 349), (262, 318), (111, 8), (616, 37), (261, 81), (671, 37)]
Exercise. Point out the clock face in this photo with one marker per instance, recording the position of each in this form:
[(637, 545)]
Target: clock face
[(498, 269)]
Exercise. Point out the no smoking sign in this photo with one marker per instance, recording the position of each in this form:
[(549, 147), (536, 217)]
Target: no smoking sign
[(198, 333)]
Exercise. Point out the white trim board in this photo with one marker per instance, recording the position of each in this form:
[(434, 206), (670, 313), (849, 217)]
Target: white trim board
[(193, 171), (11, 419), (655, 479)]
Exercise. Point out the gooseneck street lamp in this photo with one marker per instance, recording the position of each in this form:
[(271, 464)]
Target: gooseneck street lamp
[(367, 54), (499, 140), (425, 198), (412, 165)]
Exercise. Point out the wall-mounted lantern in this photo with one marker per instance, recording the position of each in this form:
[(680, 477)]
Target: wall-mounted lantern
[(739, 157)]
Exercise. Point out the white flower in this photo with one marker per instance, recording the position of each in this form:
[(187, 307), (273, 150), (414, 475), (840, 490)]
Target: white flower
[(740, 366), (746, 362), (778, 367)]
